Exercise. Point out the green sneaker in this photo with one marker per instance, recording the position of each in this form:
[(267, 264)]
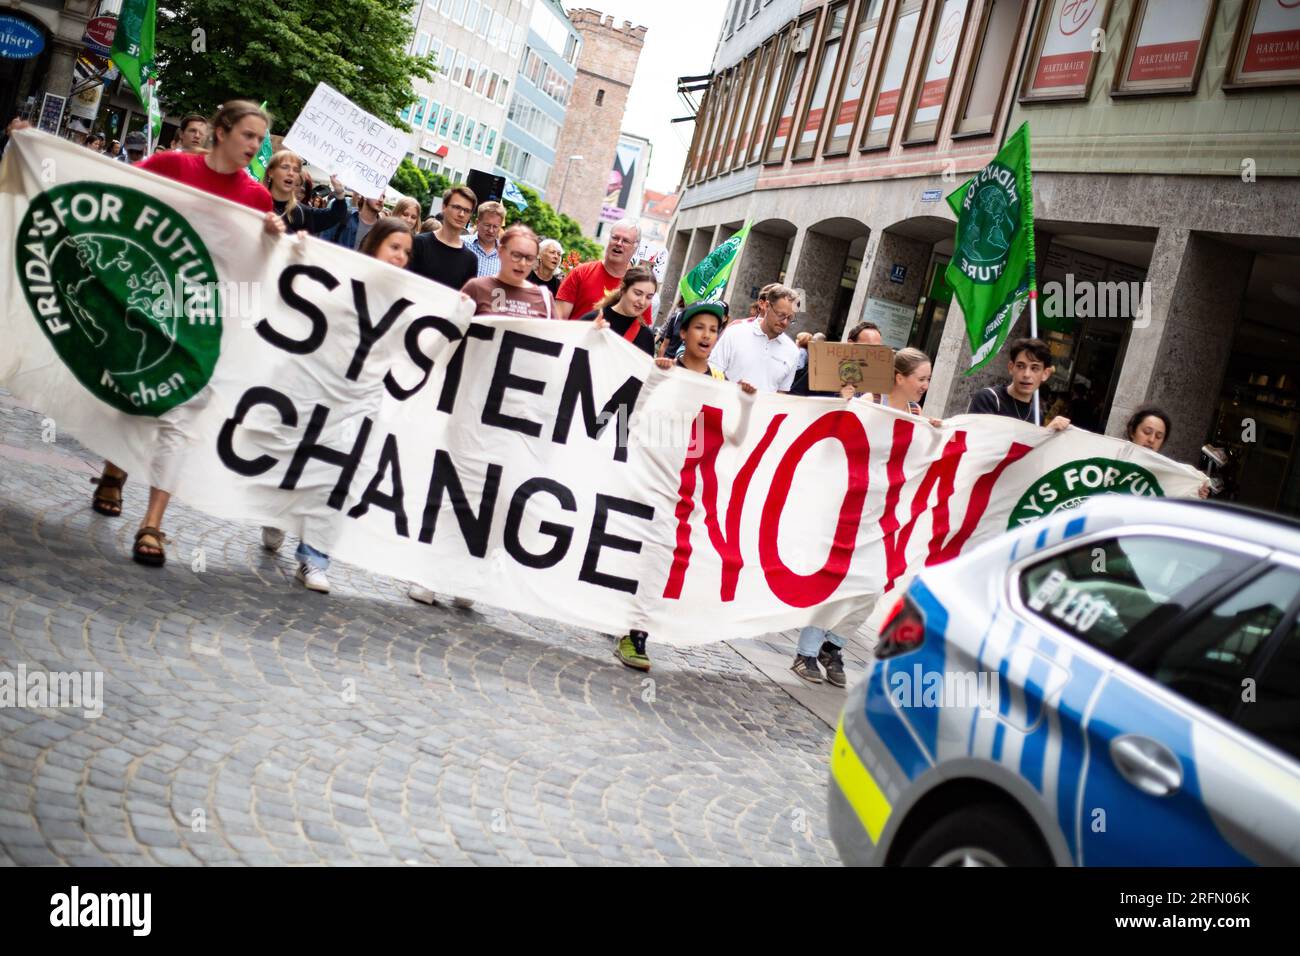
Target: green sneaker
[(631, 650)]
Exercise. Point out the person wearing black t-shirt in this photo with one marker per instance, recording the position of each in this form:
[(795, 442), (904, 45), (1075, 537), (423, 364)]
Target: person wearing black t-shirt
[(622, 309), (548, 263), (1029, 365), (440, 255)]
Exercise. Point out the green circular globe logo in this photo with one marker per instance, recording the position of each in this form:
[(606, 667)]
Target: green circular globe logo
[(1069, 486), (126, 292), (989, 224)]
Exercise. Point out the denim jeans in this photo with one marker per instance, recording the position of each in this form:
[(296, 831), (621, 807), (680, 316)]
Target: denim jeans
[(811, 638), (311, 557)]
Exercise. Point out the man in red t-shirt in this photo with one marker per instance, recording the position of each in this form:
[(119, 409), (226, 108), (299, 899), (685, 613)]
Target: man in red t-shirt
[(590, 282)]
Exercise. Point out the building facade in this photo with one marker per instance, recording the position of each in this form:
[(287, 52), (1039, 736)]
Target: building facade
[(535, 114), (1166, 157), (589, 138), (458, 117), (40, 41)]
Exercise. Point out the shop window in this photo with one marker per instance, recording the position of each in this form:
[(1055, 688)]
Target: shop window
[(419, 111), (815, 110), (783, 121), (854, 82), (1063, 59), (445, 125), (930, 98), (468, 137), (773, 74), (726, 138), (434, 110), (725, 105), (994, 60), (898, 55), (736, 131), (745, 122), (1164, 46), (457, 128)]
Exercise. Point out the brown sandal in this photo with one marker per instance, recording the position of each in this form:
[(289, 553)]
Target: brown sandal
[(109, 505), (155, 557)]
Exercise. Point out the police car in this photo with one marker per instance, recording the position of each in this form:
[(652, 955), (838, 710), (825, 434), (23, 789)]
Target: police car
[(1114, 685)]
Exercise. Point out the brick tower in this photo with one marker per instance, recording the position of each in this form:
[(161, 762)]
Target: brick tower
[(594, 118)]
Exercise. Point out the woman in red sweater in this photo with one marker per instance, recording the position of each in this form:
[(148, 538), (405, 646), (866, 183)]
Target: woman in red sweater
[(238, 129)]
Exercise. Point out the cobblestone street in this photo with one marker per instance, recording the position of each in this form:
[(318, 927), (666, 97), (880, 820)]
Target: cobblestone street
[(248, 721)]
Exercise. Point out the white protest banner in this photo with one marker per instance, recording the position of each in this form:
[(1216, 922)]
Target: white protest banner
[(545, 467), (341, 138)]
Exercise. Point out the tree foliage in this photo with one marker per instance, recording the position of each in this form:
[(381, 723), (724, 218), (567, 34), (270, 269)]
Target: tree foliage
[(542, 218), (210, 51)]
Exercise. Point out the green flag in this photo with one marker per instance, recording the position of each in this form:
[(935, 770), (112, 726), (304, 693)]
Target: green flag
[(132, 50), (257, 168), (992, 267), (708, 280)]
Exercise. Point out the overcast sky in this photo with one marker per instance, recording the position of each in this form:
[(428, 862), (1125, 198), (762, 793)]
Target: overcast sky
[(679, 41)]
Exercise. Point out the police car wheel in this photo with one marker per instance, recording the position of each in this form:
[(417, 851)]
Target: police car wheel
[(984, 835)]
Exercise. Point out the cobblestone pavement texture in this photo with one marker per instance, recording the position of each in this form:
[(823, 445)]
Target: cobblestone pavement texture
[(247, 721)]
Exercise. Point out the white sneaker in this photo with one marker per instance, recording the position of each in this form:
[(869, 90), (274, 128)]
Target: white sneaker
[(313, 579), (272, 538), (423, 595), (462, 602)]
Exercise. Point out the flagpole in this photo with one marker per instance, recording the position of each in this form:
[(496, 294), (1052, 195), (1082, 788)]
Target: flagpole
[(1033, 334)]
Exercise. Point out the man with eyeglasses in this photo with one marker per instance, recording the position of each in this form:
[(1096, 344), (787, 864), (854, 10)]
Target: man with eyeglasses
[(590, 282), (491, 217), (441, 255)]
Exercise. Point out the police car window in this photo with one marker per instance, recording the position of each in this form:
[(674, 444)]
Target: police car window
[(1271, 711), (1209, 662), (1109, 592)]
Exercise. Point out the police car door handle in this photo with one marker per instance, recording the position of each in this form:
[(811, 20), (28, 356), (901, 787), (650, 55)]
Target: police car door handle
[(1147, 764)]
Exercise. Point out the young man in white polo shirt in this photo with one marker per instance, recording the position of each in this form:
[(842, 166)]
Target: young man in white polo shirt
[(759, 352)]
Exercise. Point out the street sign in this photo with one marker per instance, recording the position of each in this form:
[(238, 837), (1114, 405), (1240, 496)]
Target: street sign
[(99, 34), (898, 273), (931, 195)]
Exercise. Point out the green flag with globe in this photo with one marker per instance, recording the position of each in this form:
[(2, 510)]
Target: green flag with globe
[(708, 280), (992, 268)]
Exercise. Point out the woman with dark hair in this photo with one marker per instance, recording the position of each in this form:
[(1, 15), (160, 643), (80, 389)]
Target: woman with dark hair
[(1150, 427), (622, 309), (284, 178), (509, 292), (389, 240)]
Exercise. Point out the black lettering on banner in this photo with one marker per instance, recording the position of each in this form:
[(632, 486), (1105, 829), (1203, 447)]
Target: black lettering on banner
[(257, 395), (451, 380), (600, 539), (319, 325), (310, 448), (578, 385), (370, 334), (562, 534), (423, 362), (388, 460), (474, 528), (502, 379)]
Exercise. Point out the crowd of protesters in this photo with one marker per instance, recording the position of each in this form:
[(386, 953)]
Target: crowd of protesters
[(511, 271)]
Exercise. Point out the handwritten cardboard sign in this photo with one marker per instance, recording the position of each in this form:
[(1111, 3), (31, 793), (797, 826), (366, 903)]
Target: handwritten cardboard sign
[(340, 137), (868, 368)]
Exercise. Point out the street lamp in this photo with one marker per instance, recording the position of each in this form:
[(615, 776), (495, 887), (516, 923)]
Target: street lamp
[(564, 183)]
